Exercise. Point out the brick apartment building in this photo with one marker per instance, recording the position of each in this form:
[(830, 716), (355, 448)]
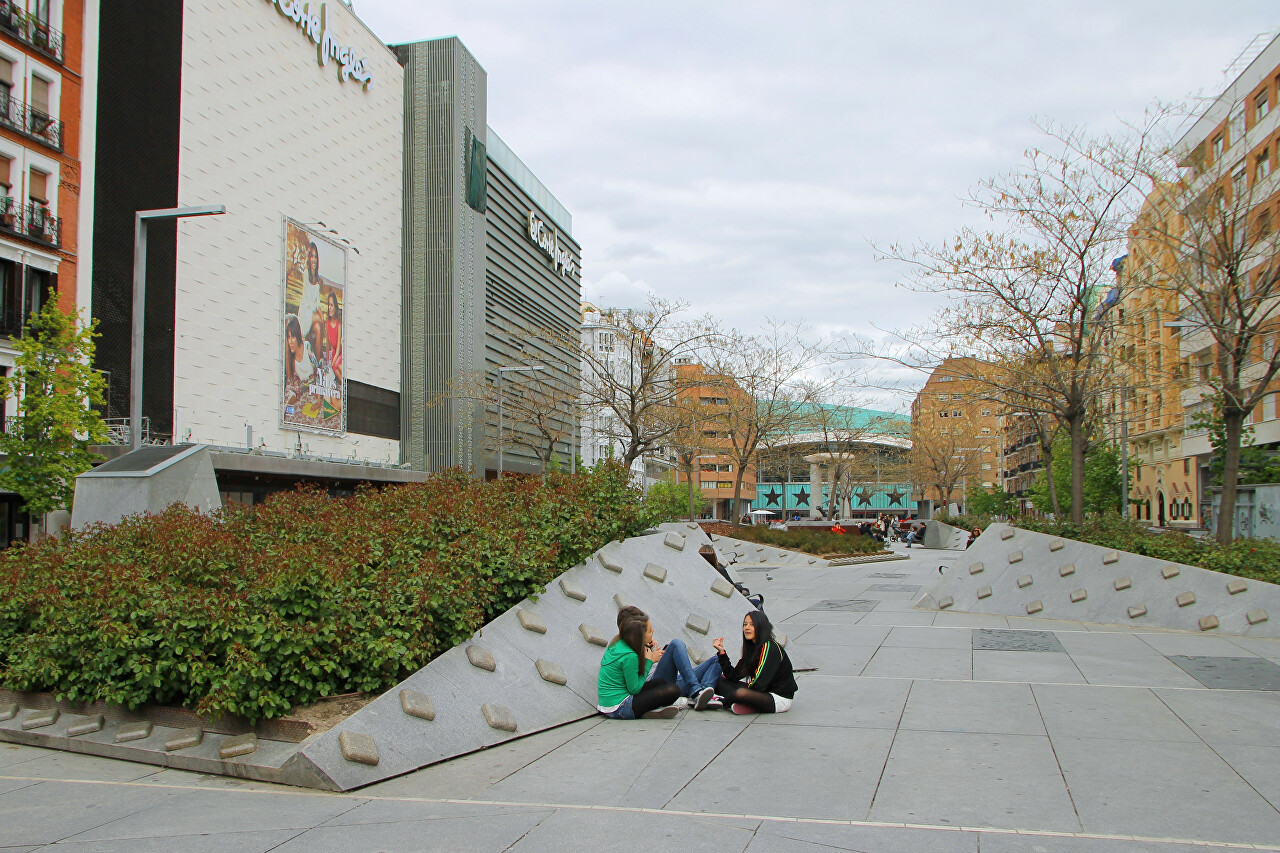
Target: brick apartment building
[(42, 66)]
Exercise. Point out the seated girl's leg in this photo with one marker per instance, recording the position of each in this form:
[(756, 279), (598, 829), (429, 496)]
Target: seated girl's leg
[(675, 667), (654, 695), (705, 674), (737, 693)]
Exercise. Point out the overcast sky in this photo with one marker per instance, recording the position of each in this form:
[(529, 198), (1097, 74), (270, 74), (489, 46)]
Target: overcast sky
[(744, 155)]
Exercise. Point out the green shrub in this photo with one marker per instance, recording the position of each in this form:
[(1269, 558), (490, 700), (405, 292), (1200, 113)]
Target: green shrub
[(252, 611), (809, 540)]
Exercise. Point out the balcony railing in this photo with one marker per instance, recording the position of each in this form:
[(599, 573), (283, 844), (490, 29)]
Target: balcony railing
[(30, 30), (33, 221), (29, 121)]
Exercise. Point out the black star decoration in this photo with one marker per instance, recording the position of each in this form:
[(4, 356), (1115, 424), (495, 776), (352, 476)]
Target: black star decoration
[(864, 497), (772, 496), (802, 497), (895, 497)]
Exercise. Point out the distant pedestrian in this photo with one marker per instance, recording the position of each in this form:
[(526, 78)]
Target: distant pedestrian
[(973, 534)]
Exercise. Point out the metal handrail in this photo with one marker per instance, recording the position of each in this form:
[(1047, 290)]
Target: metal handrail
[(30, 122), (30, 30)]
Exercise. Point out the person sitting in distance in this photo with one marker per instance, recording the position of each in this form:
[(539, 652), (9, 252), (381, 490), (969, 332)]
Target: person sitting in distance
[(837, 528), (622, 691), (973, 534), (916, 535), (762, 681)]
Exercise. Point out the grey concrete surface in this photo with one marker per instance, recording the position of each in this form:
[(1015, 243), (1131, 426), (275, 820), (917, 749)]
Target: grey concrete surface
[(904, 739)]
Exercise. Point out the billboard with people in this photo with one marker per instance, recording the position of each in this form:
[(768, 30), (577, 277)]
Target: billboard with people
[(315, 282)]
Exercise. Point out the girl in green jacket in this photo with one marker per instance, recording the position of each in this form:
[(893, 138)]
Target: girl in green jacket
[(621, 690)]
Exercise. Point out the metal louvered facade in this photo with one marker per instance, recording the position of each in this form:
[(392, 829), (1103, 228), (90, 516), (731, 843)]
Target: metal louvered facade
[(442, 313), (476, 287)]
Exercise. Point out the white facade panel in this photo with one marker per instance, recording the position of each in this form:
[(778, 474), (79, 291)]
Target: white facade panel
[(270, 133)]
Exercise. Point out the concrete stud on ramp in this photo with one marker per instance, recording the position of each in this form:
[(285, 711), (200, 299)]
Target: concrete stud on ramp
[(1014, 572)]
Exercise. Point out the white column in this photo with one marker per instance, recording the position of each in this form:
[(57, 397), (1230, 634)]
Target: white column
[(815, 489)]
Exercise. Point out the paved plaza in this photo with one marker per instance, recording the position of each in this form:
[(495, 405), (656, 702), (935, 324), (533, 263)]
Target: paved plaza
[(917, 731)]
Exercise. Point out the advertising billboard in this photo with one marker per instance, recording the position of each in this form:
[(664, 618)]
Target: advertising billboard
[(314, 334)]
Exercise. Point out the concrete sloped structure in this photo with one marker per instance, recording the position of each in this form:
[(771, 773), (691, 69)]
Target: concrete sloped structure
[(939, 535), (1014, 572), (496, 686), (744, 554), (148, 479)]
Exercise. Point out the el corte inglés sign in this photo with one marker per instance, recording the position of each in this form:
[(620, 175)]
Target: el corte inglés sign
[(547, 238), (314, 25)]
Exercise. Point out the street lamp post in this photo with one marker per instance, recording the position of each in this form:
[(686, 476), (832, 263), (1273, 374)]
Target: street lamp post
[(501, 370), (140, 303)]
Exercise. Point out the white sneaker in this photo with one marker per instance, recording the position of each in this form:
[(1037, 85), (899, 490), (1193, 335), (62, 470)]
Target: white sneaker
[(681, 703), (703, 698)]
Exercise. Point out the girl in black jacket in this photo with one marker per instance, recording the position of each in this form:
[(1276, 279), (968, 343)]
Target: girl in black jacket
[(762, 681)]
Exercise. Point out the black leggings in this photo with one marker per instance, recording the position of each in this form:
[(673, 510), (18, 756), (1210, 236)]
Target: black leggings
[(737, 693), (654, 695)]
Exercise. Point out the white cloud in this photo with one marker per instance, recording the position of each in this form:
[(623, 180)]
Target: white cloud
[(745, 155)]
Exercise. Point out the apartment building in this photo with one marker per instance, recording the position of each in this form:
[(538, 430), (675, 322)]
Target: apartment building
[(716, 468), (1228, 158), (955, 432), (42, 67)]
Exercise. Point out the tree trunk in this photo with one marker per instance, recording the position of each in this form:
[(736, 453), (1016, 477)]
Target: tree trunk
[(691, 490), (1075, 427), (1047, 450), (734, 516), (1233, 428)]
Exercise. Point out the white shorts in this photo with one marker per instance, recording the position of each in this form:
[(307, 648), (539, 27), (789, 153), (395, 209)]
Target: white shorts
[(781, 704)]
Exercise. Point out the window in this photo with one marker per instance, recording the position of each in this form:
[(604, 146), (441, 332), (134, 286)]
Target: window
[(1186, 466), (944, 398), (1239, 181), (1235, 127), (1263, 166), (707, 484), (604, 341), (986, 430), (1261, 105), (604, 451), (715, 401), (986, 413), (944, 414), (710, 433), (372, 410), (40, 94), (1218, 147), (1262, 226), (6, 89), (38, 187), (956, 413), (6, 171), (945, 378), (1268, 349), (724, 484)]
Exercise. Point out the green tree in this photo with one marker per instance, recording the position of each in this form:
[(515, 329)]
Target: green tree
[(669, 501), (48, 443), (1256, 465), (1101, 478), (989, 502)]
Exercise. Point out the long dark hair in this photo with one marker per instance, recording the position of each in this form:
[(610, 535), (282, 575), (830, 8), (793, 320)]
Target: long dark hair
[(632, 633), (313, 251), (764, 633), (291, 327)]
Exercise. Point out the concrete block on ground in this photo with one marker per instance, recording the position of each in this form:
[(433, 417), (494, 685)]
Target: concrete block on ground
[(939, 535), (1122, 587)]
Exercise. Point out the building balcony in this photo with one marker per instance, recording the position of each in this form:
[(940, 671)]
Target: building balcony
[(30, 122), (30, 30), (33, 221)]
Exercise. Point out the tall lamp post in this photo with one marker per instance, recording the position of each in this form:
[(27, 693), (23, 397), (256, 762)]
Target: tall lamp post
[(501, 370), (141, 218)]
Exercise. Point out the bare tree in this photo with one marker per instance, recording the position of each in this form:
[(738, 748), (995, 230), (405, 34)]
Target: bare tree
[(944, 456), (1212, 243), (629, 383), (767, 386), (537, 411), (1025, 294)]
